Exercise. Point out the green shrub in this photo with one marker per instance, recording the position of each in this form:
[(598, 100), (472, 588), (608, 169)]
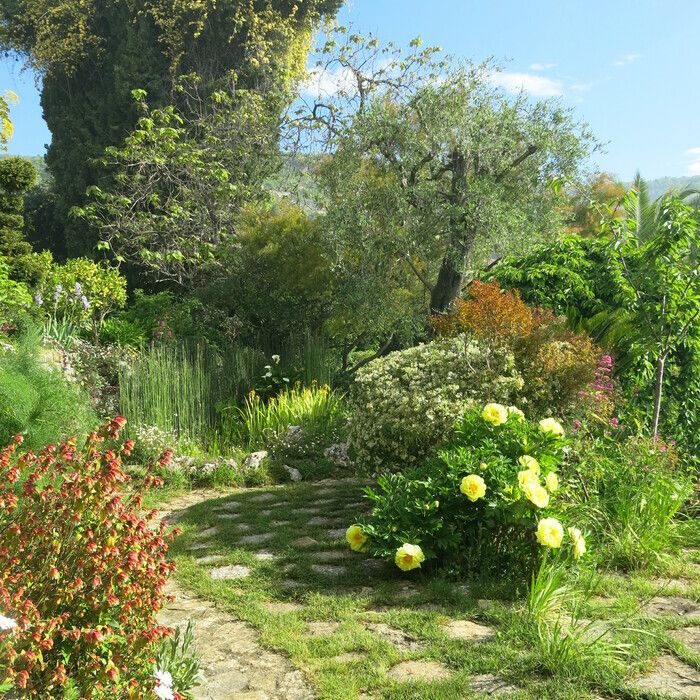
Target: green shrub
[(403, 406), (633, 490), (37, 400), (488, 499), (15, 298)]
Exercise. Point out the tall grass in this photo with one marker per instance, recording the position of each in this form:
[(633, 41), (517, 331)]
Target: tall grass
[(317, 408), (181, 389)]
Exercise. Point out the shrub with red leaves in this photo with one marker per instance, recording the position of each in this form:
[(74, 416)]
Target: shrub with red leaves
[(82, 573)]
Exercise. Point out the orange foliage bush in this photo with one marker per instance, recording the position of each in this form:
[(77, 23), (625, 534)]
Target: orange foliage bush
[(557, 364)]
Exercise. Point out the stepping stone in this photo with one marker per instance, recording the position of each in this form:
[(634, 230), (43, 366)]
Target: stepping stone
[(197, 546), (401, 640), (672, 605), (227, 573), (315, 522), (279, 504), (337, 533), (209, 532), (264, 555), (229, 516), (256, 539), (305, 511), (241, 527), (332, 555), (280, 608), (406, 591), (305, 542), (290, 584), (671, 584), (468, 631), (231, 505), (671, 678), (690, 636), (488, 684), (329, 569), (326, 492), (411, 671), (280, 523), (265, 513), (211, 559), (321, 629), (262, 498)]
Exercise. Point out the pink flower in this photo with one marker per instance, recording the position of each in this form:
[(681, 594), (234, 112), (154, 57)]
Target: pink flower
[(614, 422)]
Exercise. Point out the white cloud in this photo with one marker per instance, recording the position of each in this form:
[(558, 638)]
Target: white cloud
[(525, 82), (325, 83), (542, 66), (580, 87), (694, 165), (627, 59)]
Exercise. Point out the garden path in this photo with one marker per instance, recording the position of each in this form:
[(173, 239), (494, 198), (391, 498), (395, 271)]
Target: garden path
[(283, 610)]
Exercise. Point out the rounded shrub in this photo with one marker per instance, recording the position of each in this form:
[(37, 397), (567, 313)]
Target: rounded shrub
[(405, 405)]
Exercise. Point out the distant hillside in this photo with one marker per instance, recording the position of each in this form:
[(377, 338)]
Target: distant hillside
[(38, 162), (663, 184)]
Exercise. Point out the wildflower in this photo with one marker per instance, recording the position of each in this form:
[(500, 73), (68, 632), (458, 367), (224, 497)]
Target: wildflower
[(551, 481), (549, 426), (529, 463), (276, 359), (576, 424), (356, 538), (409, 556), (495, 413), (58, 290), (515, 411), (550, 533), (7, 624), (473, 487), (536, 493), (614, 422), (38, 299), (526, 477), (164, 685), (578, 542), (84, 301), (78, 290)]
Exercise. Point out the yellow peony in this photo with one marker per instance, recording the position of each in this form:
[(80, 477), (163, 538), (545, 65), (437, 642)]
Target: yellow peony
[(537, 494), (578, 541), (526, 477), (473, 487), (550, 533), (552, 481), (515, 411), (409, 556), (549, 426), (495, 413), (356, 538), (530, 463)]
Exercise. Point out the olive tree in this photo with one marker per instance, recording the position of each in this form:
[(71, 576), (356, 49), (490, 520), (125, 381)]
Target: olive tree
[(429, 162)]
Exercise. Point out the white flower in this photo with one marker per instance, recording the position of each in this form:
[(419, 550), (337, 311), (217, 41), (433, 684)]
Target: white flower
[(164, 692), (7, 624), (163, 678)]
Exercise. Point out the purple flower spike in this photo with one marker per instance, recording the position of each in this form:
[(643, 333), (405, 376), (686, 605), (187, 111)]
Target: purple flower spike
[(85, 302)]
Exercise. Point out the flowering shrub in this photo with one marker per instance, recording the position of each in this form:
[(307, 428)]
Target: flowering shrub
[(82, 574), (490, 494), (404, 405)]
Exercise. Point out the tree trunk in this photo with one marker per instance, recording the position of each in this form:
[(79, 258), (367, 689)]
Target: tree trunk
[(660, 367), (448, 286)]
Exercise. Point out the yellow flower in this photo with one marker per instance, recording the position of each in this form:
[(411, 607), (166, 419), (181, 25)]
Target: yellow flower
[(550, 533), (578, 542), (549, 426), (528, 462), (356, 538), (473, 487), (495, 413), (515, 411), (526, 477), (483, 466), (552, 481), (537, 494), (409, 556)]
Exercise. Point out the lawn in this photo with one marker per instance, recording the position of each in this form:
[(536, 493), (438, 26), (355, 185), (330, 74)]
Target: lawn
[(359, 628)]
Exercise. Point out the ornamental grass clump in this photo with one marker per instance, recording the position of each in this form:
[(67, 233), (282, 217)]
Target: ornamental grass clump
[(488, 499), (82, 574)]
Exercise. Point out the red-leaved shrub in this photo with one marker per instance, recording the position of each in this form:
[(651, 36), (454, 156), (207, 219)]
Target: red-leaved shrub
[(82, 573)]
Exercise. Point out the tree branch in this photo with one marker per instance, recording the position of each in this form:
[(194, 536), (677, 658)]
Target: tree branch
[(531, 150)]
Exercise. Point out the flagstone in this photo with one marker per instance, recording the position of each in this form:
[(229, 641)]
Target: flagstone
[(230, 572), (409, 671)]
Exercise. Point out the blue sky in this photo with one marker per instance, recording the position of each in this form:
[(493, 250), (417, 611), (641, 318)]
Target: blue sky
[(627, 68)]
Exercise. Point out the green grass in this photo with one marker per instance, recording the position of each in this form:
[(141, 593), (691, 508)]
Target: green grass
[(529, 657)]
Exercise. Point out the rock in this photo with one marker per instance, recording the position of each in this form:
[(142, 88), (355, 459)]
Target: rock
[(305, 542), (410, 671), (329, 569), (280, 523), (264, 555), (672, 605), (228, 516), (338, 455), (226, 573), (321, 629), (294, 433), (488, 684), (294, 473), (399, 638), (209, 532), (337, 533), (256, 539), (690, 636), (210, 559), (468, 631), (263, 498), (279, 608), (320, 521), (671, 678), (254, 459), (329, 556)]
